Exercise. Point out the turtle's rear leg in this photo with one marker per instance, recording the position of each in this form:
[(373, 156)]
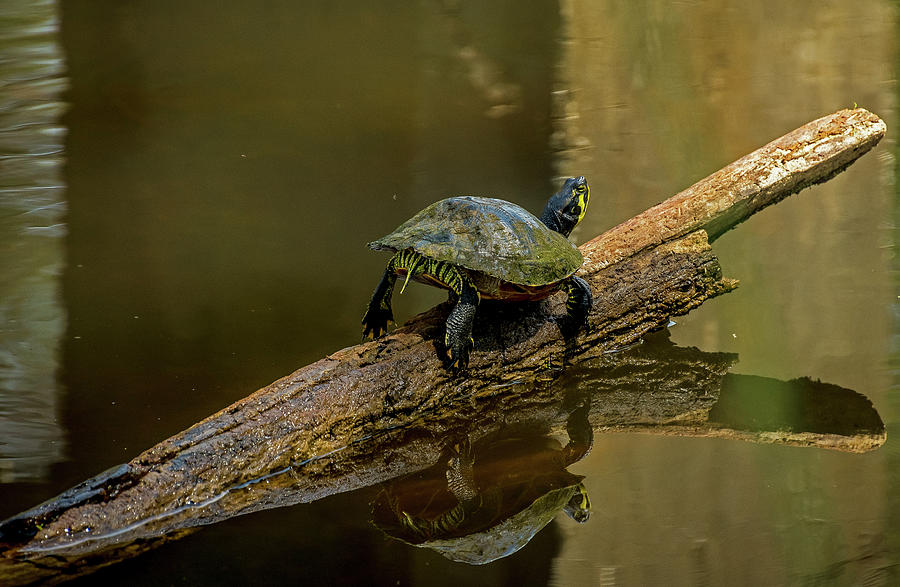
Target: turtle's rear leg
[(460, 471), (579, 303), (465, 299), (458, 335)]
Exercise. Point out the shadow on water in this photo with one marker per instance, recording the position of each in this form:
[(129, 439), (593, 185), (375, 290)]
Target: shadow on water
[(502, 474)]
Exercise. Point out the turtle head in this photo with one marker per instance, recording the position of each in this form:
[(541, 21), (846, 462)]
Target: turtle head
[(579, 506), (566, 207)]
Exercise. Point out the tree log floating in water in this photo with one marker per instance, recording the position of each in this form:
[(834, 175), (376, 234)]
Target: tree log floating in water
[(657, 265)]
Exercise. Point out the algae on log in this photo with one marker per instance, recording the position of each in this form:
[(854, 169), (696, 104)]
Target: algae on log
[(644, 271)]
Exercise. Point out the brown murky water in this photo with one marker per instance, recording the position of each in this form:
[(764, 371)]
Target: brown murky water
[(223, 168)]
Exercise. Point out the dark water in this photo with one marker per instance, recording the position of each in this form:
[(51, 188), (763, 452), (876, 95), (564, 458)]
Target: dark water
[(225, 165)]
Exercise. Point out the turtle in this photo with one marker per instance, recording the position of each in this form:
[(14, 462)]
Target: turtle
[(485, 248), (477, 512)]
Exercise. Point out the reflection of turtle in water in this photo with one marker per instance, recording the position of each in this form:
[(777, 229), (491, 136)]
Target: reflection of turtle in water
[(478, 511)]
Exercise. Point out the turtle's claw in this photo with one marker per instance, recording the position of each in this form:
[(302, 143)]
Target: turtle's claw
[(459, 351), (462, 449), (376, 322)]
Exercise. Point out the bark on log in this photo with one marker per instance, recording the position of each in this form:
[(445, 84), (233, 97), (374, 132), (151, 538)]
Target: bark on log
[(657, 265)]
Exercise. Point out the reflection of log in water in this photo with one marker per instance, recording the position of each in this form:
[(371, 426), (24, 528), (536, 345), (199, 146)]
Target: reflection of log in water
[(655, 387), (800, 412)]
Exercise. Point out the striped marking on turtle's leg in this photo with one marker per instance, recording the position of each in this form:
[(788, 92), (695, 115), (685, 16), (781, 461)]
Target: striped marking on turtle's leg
[(461, 483), (409, 260), (379, 315), (458, 334)]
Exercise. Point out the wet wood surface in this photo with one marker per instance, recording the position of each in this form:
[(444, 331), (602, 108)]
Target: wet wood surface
[(305, 430)]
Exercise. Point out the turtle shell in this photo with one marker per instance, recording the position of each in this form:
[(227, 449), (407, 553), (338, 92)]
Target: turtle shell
[(507, 537), (491, 236)]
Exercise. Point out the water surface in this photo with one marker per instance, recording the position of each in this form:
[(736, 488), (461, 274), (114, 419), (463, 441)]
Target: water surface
[(225, 168)]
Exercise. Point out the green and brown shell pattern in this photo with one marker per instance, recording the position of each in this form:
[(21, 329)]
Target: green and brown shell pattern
[(500, 240)]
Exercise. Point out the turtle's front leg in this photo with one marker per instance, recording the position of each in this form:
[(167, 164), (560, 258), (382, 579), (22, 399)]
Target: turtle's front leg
[(379, 314)]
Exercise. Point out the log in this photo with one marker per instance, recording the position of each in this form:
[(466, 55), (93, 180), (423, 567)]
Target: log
[(299, 428), (811, 154)]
